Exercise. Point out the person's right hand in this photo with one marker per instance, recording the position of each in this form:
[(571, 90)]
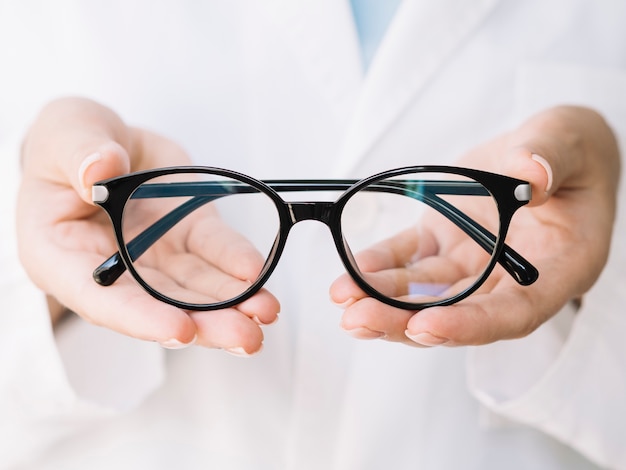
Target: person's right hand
[(570, 157), (62, 236)]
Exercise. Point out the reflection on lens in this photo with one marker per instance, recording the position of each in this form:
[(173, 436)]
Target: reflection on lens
[(425, 289), (430, 238), (199, 238)]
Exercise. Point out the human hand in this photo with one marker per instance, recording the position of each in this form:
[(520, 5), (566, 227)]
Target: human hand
[(63, 236), (570, 157)]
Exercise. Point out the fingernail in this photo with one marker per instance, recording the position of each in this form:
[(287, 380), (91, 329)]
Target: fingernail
[(346, 303), (426, 339), (176, 344), (241, 352), (258, 321), (544, 163), (84, 166), (365, 333)]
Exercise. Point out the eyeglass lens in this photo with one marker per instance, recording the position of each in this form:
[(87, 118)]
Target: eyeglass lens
[(216, 244), (408, 240)]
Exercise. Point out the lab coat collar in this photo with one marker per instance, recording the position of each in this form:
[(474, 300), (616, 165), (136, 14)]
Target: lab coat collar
[(422, 35), (420, 38), (323, 37)]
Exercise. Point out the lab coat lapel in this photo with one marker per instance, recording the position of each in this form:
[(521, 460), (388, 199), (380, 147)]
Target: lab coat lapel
[(323, 37), (422, 35)]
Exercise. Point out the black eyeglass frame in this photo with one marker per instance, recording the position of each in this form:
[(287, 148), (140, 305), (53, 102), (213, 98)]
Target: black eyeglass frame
[(509, 193)]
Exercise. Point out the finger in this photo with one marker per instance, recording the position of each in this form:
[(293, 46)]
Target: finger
[(76, 142), (420, 281), (395, 251), (434, 278), (263, 308), (481, 319), (104, 160), (68, 133), (228, 329), (124, 307), (219, 244), (404, 247), (551, 151), (344, 291), (207, 285), (99, 158), (484, 318), (369, 319), (522, 163)]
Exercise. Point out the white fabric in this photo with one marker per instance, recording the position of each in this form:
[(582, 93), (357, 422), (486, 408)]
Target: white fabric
[(275, 89)]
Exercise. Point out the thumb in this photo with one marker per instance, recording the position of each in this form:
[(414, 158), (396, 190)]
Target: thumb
[(107, 160), (75, 142), (523, 163), (563, 147)]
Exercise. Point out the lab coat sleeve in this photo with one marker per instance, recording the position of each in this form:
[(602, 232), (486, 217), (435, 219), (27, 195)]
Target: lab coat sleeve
[(53, 385), (568, 378)]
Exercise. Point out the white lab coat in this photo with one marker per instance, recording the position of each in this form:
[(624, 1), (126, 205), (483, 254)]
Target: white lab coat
[(275, 89)]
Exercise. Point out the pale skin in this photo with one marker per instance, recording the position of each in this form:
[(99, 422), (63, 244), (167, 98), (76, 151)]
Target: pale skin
[(565, 232), (63, 236)]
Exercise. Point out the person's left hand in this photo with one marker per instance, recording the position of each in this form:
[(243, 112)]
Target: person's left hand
[(570, 157)]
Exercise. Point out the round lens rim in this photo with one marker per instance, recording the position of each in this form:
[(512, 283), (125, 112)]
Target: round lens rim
[(271, 262), (347, 257)]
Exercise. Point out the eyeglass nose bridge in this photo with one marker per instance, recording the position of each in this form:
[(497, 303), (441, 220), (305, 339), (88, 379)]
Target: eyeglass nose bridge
[(319, 210)]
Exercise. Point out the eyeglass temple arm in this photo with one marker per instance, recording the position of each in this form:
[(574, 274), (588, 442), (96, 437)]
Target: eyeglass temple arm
[(110, 271), (515, 264), (204, 192)]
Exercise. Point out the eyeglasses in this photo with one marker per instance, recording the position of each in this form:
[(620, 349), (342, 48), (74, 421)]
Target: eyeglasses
[(203, 238)]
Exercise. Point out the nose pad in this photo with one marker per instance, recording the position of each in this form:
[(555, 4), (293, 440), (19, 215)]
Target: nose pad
[(319, 211)]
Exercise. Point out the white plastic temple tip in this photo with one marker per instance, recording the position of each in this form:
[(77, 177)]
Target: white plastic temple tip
[(523, 192), (99, 193)]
